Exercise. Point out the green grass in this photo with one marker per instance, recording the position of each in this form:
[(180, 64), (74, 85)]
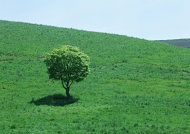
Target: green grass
[(135, 86)]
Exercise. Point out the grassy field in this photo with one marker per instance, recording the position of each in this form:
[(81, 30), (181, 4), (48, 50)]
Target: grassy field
[(135, 86), (178, 42)]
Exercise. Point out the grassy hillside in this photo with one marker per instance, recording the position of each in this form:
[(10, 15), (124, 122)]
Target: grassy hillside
[(135, 86), (178, 42)]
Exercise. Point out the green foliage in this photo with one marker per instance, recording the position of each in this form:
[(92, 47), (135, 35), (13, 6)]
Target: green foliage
[(136, 86), (68, 64)]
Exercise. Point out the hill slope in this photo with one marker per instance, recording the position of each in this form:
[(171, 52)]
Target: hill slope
[(178, 42), (135, 86)]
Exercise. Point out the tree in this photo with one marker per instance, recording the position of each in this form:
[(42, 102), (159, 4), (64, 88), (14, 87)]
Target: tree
[(67, 64)]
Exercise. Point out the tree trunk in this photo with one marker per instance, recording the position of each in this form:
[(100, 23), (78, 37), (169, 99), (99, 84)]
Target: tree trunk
[(66, 86), (67, 92)]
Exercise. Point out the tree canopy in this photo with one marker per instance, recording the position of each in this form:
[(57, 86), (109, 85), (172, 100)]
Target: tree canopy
[(67, 64)]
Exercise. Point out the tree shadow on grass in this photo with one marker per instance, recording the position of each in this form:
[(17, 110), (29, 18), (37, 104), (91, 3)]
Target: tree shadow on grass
[(54, 100)]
